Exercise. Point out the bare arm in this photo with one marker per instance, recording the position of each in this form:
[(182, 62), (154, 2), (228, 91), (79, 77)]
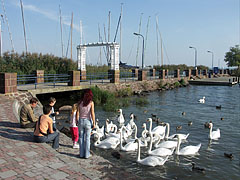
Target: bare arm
[(93, 114), (77, 115)]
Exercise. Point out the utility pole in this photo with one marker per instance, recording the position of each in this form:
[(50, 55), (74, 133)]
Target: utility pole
[(146, 37), (120, 47), (139, 31), (61, 28), (24, 27), (81, 33), (71, 34), (108, 48)]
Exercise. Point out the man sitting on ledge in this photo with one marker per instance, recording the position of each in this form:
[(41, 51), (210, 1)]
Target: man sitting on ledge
[(44, 129), (27, 117)]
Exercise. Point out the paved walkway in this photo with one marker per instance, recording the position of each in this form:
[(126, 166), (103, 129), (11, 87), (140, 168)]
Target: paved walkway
[(21, 158)]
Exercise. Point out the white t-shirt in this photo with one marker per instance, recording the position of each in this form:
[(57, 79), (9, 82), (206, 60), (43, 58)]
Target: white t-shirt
[(73, 122)]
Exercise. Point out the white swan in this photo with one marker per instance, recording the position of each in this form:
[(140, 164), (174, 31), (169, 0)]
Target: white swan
[(131, 146), (165, 144), (99, 130), (187, 150), (120, 118), (143, 142), (159, 151), (215, 135), (109, 143), (160, 130), (150, 160), (108, 126), (173, 137), (202, 100)]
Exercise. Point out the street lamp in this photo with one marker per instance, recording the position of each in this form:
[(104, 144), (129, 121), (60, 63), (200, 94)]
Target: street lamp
[(137, 34), (195, 56), (212, 57)]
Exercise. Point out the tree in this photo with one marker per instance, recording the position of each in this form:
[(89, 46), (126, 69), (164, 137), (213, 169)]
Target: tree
[(233, 56)]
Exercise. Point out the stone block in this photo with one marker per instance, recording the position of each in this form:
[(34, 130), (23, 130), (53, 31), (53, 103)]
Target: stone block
[(142, 75)]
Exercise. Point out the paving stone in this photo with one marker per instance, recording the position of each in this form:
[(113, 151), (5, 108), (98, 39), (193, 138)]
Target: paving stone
[(7, 174), (21, 144), (11, 154), (30, 174), (59, 175), (57, 165), (37, 165), (9, 147), (18, 159), (30, 154), (2, 161)]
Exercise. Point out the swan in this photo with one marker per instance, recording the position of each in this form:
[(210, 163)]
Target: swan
[(166, 144), (120, 118), (109, 143), (202, 100), (150, 160), (143, 141), (173, 137), (108, 126), (131, 146), (159, 151), (213, 134), (187, 150), (160, 130), (99, 130)]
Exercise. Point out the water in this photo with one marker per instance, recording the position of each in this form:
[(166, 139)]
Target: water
[(169, 106)]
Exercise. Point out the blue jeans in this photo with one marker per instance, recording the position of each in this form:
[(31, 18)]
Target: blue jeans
[(84, 129), (50, 137)]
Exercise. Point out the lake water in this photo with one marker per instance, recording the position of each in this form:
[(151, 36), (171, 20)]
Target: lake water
[(168, 106)]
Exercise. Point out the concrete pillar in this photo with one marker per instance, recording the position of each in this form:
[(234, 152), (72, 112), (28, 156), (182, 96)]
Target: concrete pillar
[(152, 72), (199, 72), (83, 75), (39, 75), (8, 83), (166, 73), (177, 73), (114, 76), (142, 75), (162, 74), (188, 73), (135, 73), (225, 71), (74, 78), (205, 72)]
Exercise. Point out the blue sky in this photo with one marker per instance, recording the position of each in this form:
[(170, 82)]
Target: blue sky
[(205, 24)]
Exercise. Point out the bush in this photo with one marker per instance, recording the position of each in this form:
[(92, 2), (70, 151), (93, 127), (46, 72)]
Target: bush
[(176, 84), (141, 101), (124, 92)]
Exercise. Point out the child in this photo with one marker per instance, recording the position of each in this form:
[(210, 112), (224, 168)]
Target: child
[(74, 127), (52, 102)]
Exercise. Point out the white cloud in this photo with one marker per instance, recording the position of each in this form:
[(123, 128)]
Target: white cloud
[(48, 14)]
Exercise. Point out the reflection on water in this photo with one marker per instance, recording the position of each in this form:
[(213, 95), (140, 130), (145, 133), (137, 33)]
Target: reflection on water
[(168, 106)]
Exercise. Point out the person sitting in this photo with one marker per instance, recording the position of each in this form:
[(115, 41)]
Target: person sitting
[(44, 130), (27, 117)]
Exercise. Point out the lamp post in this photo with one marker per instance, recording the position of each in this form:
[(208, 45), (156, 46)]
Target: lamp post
[(212, 58), (195, 56), (137, 34)]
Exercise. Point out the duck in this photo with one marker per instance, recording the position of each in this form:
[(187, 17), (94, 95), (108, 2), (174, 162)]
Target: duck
[(219, 107), (190, 123), (202, 100), (178, 128), (159, 151), (183, 113), (198, 169), (120, 118), (206, 124), (215, 135), (187, 150), (222, 118), (173, 137), (228, 155), (150, 160)]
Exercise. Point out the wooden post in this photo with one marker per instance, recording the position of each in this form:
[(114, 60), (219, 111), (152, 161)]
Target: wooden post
[(142, 75), (162, 74), (74, 78)]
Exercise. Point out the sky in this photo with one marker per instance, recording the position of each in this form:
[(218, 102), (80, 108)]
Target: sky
[(207, 25)]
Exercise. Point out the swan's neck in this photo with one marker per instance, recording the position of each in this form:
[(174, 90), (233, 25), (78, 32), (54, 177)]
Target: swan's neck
[(135, 134), (115, 128), (210, 131), (150, 145), (138, 154), (121, 147), (178, 146), (150, 126), (98, 140), (168, 129)]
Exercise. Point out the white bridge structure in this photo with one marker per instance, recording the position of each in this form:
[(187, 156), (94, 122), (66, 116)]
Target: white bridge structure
[(113, 55)]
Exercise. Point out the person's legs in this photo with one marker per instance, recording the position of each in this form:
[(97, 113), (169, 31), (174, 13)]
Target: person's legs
[(87, 138), (72, 133), (55, 138), (54, 127), (29, 125), (81, 137), (75, 134)]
